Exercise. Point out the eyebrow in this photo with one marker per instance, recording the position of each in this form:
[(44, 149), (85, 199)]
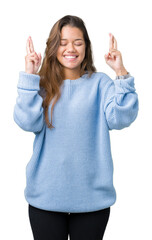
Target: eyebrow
[(74, 40)]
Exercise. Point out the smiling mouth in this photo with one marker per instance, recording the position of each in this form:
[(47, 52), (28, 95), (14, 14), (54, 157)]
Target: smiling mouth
[(70, 58)]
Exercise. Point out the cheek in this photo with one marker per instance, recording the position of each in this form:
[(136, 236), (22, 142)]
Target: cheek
[(59, 52), (82, 51)]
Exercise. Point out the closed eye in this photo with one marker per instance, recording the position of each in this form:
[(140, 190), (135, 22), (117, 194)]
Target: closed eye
[(75, 44)]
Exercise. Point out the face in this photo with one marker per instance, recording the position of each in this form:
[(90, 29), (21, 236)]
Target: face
[(71, 51)]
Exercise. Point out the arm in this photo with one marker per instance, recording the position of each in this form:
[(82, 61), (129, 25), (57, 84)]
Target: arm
[(120, 102), (28, 111)]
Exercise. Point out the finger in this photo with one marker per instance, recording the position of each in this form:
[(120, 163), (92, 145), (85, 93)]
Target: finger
[(36, 55), (112, 51), (33, 54), (33, 59), (31, 45), (28, 46), (113, 55), (39, 55), (111, 41), (115, 43), (108, 56), (115, 52)]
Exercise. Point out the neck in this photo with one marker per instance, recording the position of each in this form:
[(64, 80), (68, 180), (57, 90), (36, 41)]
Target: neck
[(71, 74)]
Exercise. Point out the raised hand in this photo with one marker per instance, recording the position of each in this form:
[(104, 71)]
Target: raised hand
[(32, 59), (114, 58)]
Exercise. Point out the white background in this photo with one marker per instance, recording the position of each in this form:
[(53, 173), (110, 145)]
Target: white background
[(130, 22)]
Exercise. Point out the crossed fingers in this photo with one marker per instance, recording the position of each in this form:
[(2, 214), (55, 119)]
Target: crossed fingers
[(30, 48)]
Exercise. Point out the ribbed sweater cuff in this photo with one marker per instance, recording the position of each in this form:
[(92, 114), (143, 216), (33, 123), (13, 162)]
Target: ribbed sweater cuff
[(124, 85), (28, 81)]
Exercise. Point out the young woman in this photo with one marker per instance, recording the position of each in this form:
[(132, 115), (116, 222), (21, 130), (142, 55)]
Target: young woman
[(70, 107)]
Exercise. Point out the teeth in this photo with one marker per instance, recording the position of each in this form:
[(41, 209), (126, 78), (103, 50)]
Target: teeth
[(70, 56)]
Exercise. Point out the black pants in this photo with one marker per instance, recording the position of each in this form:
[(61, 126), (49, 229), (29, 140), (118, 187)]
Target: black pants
[(51, 225)]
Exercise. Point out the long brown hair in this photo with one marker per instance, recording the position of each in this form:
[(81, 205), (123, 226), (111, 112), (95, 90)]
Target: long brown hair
[(51, 72)]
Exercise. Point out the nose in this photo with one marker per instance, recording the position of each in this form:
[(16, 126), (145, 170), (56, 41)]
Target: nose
[(70, 48)]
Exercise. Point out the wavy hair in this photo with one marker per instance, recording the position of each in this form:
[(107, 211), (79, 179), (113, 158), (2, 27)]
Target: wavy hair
[(51, 72)]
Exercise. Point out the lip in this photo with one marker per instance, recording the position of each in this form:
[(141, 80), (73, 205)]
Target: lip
[(70, 59), (70, 55)]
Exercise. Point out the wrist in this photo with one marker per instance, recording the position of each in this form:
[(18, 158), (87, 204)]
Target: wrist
[(121, 72)]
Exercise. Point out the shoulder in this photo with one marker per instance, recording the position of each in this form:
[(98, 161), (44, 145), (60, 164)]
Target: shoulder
[(103, 78)]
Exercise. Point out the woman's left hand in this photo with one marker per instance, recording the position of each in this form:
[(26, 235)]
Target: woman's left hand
[(114, 58)]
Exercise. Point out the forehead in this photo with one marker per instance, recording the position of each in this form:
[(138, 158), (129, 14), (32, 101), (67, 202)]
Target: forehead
[(68, 32)]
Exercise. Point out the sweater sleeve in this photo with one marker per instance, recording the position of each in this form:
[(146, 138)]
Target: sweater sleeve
[(121, 103), (28, 111)]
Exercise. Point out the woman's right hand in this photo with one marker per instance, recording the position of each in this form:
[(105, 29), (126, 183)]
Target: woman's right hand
[(32, 59)]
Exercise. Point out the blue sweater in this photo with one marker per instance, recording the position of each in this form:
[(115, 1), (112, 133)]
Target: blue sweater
[(71, 167)]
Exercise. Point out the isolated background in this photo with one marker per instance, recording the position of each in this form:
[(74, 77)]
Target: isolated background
[(130, 23)]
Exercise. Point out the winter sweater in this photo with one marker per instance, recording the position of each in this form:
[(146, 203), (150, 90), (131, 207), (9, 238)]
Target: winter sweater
[(71, 167)]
